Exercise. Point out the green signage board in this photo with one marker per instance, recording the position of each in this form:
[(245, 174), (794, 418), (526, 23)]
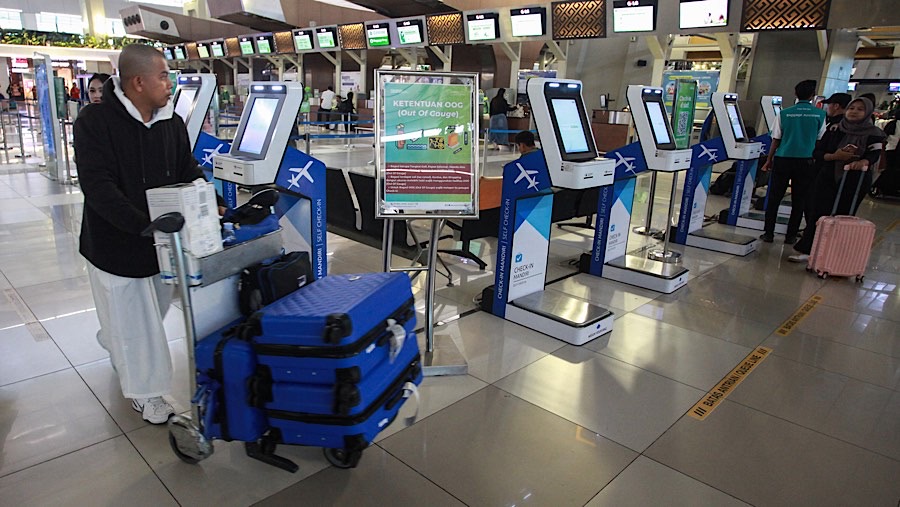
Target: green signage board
[(683, 112), (428, 147)]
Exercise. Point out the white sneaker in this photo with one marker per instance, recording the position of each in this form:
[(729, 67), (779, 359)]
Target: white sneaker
[(798, 258), (153, 410)]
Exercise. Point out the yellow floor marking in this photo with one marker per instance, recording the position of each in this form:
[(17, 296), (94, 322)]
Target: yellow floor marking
[(798, 316), (704, 407), (893, 224)]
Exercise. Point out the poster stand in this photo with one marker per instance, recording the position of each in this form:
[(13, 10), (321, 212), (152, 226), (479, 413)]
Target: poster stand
[(426, 165)]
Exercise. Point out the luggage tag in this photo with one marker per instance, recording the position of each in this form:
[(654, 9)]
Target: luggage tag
[(398, 336)]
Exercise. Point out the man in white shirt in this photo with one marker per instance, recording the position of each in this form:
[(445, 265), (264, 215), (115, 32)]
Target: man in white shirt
[(326, 104)]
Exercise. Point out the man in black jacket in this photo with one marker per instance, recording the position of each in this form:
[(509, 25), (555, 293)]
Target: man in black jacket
[(130, 142)]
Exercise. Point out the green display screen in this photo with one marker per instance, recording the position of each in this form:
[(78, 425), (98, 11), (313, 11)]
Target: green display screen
[(409, 34), (378, 36), (263, 46), (246, 47), (179, 53), (217, 50), (203, 51), (302, 42), (326, 39)]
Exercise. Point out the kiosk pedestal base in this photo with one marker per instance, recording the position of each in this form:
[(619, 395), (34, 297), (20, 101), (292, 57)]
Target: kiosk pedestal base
[(444, 360), (756, 220), (646, 273), (722, 238), (561, 316)]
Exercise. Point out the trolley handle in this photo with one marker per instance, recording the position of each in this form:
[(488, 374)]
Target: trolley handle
[(167, 223)]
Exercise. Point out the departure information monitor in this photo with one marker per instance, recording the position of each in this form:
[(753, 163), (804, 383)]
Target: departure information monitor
[(264, 44), (261, 117), (218, 50), (703, 13), (409, 31), (378, 35), (326, 38), (303, 40), (634, 15), (528, 22), (568, 123), (203, 50), (483, 27), (246, 45)]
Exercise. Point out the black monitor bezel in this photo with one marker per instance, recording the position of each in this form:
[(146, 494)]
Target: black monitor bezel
[(564, 92), (378, 25), (418, 23), (641, 3), (487, 15), (205, 45), (219, 44), (245, 120), (650, 95), (542, 11), (245, 38), (268, 37), (183, 52)]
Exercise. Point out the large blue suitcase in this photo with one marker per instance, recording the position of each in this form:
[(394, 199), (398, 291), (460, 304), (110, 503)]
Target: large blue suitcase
[(226, 368), (348, 396)]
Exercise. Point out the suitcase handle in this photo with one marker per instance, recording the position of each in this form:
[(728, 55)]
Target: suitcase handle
[(837, 198)]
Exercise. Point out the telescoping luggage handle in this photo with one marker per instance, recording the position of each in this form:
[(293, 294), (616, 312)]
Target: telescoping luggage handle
[(837, 198)]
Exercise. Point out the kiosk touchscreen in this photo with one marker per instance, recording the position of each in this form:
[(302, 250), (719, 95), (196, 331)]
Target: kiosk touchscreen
[(771, 107), (262, 135), (731, 124), (652, 122), (192, 100), (566, 137)]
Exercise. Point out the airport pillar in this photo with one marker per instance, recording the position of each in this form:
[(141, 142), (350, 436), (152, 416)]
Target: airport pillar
[(838, 50), (661, 50), (445, 55), (513, 51), (728, 74)]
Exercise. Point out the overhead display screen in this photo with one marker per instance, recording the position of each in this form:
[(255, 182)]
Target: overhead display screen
[(703, 13), (246, 44), (735, 119), (261, 117), (264, 44), (483, 27), (634, 16), (894, 87), (303, 40), (378, 35), (528, 22), (203, 50), (410, 32), (658, 122), (217, 48), (326, 38), (568, 122), (185, 101), (178, 52), (167, 52)]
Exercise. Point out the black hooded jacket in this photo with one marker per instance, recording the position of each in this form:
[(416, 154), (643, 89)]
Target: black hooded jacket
[(118, 159)]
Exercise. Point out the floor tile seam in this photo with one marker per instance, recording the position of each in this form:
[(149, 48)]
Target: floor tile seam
[(813, 430), (611, 480), (417, 471), (705, 334), (9, 474), (826, 370), (38, 376), (544, 356), (420, 419), (852, 346), (745, 317), (696, 479), (856, 310), (703, 390), (150, 467)]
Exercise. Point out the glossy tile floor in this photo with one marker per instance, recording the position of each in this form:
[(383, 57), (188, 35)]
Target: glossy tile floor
[(535, 422)]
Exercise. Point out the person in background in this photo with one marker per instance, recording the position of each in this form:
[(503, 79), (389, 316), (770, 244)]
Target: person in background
[(347, 109), (130, 142), (95, 87), (525, 142), (499, 108), (835, 107), (75, 92), (326, 104), (790, 159), (852, 145), (887, 183)]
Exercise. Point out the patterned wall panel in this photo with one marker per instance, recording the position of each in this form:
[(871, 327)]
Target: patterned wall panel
[(191, 49), (284, 42), (579, 20), (232, 47), (785, 15), (352, 36), (446, 29)]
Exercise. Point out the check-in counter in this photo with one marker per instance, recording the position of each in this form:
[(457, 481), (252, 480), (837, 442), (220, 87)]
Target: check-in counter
[(610, 128)]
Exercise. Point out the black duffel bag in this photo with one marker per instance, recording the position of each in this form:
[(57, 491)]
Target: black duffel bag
[(273, 279)]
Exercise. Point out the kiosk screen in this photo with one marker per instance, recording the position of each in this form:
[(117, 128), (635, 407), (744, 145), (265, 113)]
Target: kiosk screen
[(256, 130), (568, 123), (777, 108), (734, 117), (184, 102), (658, 123)]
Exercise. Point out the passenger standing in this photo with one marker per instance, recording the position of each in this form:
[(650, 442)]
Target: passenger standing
[(525, 142), (126, 144), (347, 108), (95, 87), (835, 107), (853, 145), (326, 104), (887, 184), (790, 159), (499, 108)]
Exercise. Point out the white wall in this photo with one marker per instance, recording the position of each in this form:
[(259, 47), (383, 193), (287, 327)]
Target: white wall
[(608, 66)]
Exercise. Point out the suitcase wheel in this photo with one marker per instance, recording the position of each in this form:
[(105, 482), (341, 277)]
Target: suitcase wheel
[(823, 275), (173, 443), (860, 278), (342, 458)]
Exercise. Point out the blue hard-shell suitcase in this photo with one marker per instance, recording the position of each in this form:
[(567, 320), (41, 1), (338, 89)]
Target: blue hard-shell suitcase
[(337, 310), (226, 366), (346, 397)]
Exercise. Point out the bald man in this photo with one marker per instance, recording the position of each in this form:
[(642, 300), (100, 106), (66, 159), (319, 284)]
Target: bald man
[(126, 144)]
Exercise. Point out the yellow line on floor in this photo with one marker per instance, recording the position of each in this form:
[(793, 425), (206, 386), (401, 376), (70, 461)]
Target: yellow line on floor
[(798, 316), (893, 225), (717, 395)]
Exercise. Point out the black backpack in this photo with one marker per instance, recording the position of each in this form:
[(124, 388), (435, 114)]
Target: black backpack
[(272, 279)]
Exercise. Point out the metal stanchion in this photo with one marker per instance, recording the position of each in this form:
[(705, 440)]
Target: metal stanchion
[(22, 153), (3, 129), (647, 229), (65, 147), (666, 255)]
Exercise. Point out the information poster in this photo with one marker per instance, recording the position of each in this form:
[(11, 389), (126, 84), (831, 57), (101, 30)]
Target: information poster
[(707, 83), (683, 112), (427, 146)]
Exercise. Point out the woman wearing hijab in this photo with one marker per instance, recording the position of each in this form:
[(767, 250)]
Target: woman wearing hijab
[(499, 108), (852, 145)]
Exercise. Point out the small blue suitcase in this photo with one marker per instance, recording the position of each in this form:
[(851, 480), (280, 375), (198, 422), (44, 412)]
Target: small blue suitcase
[(347, 397), (226, 366)]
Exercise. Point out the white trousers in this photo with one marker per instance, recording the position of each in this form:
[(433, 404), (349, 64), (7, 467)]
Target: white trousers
[(131, 312)]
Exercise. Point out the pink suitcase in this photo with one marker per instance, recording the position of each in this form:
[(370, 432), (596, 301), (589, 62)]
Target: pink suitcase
[(843, 243)]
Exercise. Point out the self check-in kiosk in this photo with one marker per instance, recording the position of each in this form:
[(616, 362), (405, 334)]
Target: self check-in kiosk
[(568, 159), (771, 107), (658, 270), (193, 96), (262, 135)]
